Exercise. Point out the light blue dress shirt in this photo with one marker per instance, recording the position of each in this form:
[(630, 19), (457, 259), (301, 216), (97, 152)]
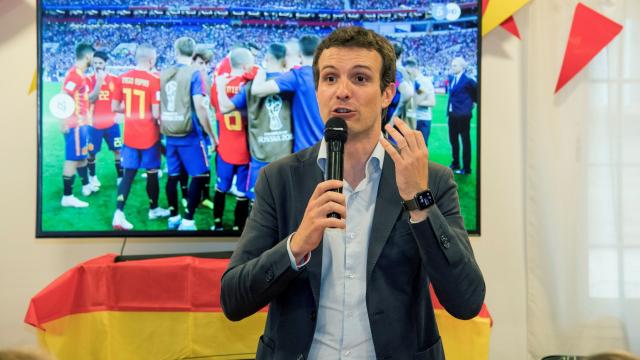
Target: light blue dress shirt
[(342, 327)]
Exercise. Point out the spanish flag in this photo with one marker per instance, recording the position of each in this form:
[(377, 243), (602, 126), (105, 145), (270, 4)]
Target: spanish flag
[(169, 308)]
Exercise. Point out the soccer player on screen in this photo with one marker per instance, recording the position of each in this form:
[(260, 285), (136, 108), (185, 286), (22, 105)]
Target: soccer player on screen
[(232, 157), (105, 125), (308, 126), (201, 60), (269, 118), (185, 123), (138, 98), (76, 128)]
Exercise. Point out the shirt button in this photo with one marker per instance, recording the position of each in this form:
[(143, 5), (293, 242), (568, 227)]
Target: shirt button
[(350, 275), (351, 235), (347, 353)]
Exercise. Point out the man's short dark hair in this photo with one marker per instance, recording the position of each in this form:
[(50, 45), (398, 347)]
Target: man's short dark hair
[(308, 44), (411, 62), (357, 37), (277, 50), (397, 48), (203, 53), (251, 46), (83, 49), (101, 55)]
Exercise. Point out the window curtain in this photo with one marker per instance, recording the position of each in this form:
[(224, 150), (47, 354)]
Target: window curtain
[(582, 190)]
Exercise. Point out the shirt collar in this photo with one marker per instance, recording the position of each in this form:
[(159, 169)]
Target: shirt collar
[(374, 163)]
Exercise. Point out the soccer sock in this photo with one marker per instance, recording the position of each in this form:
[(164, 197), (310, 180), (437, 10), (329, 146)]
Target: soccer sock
[(68, 184), (91, 165), (184, 184), (172, 194), (206, 190), (82, 171), (241, 212), (195, 193), (125, 187), (219, 199), (118, 168), (153, 189)]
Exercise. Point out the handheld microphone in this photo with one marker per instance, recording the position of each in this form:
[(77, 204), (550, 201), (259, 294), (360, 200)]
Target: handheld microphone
[(335, 135)]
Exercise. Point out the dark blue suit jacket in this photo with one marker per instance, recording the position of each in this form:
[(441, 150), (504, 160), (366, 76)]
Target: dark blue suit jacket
[(402, 259), (462, 96)]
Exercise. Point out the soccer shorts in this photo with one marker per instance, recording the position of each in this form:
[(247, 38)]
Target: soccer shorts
[(225, 173), (77, 143), (192, 158), (141, 158), (254, 171), (111, 135)]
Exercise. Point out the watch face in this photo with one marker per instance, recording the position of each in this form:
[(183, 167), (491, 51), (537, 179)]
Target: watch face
[(424, 199)]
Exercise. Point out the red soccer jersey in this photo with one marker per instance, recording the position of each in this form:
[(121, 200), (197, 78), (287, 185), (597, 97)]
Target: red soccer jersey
[(232, 128), (76, 85), (139, 90), (103, 116)]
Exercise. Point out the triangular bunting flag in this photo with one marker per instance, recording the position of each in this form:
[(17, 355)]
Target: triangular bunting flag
[(498, 11), (590, 33), (509, 24)]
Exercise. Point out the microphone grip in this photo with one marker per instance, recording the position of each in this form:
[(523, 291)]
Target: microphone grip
[(335, 166)]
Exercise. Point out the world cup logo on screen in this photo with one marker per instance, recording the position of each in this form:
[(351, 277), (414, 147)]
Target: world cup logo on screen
[(171, 89), (274, 104)]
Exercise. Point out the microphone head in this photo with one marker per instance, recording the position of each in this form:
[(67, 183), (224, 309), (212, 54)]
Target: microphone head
[(335, 129)]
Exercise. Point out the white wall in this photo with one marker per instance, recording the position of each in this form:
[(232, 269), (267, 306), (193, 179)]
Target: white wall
[(27, 264)]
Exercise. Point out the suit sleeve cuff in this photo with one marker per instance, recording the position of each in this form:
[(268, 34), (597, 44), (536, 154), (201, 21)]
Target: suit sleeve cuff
[(292, 258)]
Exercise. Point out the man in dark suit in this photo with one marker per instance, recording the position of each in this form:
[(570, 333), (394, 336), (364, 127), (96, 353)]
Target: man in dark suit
[(355, 287), (462, 96)]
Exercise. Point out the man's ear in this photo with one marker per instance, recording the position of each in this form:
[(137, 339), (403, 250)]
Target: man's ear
[(388, 94)]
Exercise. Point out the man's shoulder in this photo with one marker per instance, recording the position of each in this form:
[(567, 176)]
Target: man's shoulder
[(438, 170), (287, 163)]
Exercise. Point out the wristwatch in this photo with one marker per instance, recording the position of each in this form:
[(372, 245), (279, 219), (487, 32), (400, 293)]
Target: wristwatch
[(421, 201)]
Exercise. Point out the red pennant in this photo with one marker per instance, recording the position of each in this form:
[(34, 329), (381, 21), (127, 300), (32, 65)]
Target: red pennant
[(509, 24), (590, 33)]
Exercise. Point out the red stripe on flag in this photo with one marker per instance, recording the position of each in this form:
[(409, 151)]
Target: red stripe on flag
[(169, 284)]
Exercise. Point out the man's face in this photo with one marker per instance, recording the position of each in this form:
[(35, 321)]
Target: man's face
[(456, 67), (200, 64), (99, 64), (88, 59), (349, 87)]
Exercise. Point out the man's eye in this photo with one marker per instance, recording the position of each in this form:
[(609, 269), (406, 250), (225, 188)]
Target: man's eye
[(330, 78), (361, 78)]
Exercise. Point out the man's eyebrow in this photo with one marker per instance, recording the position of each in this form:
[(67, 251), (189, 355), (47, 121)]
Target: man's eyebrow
[(366, 67)]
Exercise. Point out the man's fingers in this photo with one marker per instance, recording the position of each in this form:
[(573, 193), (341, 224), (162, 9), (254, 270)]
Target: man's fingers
[(330, 207), (325, 186), (390, 150), (407, 133), (331, 196), (402, 143), (331, 223)]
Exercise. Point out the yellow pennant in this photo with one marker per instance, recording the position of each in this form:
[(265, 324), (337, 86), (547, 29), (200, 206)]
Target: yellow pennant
[(34, 82), (498, 11)]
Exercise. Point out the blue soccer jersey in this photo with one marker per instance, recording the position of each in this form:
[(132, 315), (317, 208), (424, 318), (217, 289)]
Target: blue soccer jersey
[(307, 123)]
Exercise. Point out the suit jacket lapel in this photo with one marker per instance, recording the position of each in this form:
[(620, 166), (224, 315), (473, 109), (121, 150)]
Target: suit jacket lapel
[(307, 175), (385, 215)]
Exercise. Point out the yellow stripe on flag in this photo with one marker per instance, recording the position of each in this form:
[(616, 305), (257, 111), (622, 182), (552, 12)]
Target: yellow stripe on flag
[(464, 339), (114, 335), (498, 11)]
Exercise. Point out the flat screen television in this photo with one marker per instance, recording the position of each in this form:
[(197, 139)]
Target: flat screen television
[(74, 131)]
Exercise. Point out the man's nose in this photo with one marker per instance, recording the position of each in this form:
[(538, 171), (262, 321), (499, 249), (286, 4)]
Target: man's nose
[(344, 90)]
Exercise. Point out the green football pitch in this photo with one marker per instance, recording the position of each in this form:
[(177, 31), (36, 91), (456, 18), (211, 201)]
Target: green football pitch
[(98, 216)]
